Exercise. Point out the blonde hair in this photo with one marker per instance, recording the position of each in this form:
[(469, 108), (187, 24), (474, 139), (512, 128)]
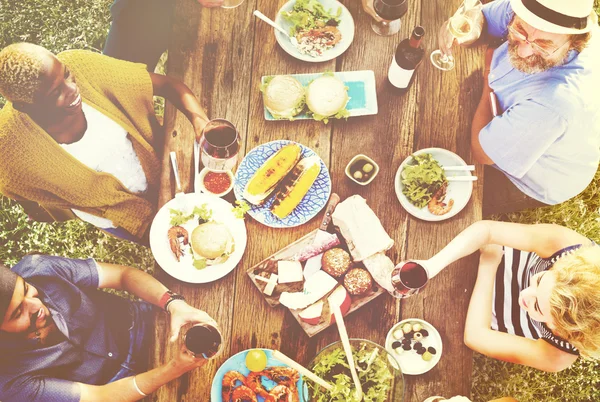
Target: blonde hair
[(575, 299), (20, 69)]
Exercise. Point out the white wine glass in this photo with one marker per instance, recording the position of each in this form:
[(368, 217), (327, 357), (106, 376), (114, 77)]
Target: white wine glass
[(459, 26)]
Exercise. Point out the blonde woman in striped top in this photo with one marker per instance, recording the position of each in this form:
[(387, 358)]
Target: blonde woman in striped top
[(536, 300)]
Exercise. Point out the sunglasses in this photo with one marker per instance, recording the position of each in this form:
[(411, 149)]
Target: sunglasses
[(543, 50)]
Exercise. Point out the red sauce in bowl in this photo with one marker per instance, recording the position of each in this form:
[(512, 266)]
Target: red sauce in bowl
[(217, 183)]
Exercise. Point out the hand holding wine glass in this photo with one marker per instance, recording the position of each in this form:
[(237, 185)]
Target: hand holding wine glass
[(464, 27)]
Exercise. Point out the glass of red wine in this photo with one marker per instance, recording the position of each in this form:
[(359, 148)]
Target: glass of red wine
[(408, 278), (203, 340), (390, 11), (220, 144)]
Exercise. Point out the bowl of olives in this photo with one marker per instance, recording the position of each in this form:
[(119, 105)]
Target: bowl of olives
[(362, 169)]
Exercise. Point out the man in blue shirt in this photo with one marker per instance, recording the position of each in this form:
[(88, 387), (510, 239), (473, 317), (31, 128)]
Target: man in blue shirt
[(538, 121), (62, 339)]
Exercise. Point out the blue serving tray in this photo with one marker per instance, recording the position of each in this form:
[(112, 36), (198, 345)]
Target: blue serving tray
[(361, 90)]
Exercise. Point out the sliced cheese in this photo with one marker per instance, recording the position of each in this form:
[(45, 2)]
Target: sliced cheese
[(315, 287), (289, 271)]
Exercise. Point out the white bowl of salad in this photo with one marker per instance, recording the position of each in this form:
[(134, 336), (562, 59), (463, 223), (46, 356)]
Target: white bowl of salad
[(323, 29), (379, 373)]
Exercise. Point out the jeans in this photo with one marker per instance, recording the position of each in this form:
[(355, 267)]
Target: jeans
[(136, 360), (139, 31)]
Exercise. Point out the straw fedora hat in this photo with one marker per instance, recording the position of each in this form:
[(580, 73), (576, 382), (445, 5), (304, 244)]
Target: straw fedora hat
[(557, 16)]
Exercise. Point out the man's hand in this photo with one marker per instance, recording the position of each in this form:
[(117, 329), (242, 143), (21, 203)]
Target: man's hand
[(211, 3), (183, 314), (369, 9), (446, 39)]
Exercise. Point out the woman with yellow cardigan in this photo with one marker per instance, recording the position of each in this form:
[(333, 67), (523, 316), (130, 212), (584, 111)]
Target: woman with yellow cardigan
[(78, 136)]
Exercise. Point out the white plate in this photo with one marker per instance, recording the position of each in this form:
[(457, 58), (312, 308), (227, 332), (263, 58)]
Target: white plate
[(459, 191), (412, 363), (346, 27), (361, 90), (184, 270)]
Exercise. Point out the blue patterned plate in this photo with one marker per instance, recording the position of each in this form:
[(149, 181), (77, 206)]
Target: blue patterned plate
[(311, 204), (238, 363)]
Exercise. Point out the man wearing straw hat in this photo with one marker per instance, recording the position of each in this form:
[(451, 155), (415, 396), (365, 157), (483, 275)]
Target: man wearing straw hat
[(61, 339), (538, 120)]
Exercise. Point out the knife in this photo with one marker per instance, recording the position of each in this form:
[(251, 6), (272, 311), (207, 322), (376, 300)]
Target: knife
[(314, 264), (333, 201)]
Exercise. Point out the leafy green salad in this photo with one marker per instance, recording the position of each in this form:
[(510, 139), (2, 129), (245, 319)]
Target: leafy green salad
[(373, 372), (310, 14), (421, 178)]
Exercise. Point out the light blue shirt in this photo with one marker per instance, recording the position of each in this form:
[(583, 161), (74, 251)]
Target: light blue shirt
[(546, 138)]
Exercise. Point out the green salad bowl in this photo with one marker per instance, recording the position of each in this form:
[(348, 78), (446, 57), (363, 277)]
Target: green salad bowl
[(378, 371)]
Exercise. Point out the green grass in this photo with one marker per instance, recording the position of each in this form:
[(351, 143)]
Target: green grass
[(65, 24)]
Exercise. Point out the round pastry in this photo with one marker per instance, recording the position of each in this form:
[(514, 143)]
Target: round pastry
[(211, 239), (336, 262), (358, 281)]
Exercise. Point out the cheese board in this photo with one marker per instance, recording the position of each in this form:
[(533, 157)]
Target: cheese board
[(327, 267)]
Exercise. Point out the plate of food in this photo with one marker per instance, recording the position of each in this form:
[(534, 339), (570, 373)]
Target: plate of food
[(286, 183), (324, 29), (198, 238), (415, 344), (324, 269), (319, 96), (378, 371), (422, 185), (255, 375)]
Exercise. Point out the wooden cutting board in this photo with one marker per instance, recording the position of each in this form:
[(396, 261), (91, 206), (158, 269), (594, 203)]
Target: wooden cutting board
[(270, 265)]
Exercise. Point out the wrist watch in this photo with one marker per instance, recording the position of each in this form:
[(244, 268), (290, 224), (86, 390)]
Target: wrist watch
[(169, 297)]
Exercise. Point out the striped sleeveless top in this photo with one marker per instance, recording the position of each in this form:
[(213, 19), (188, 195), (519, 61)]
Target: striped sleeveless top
[(514, 274)]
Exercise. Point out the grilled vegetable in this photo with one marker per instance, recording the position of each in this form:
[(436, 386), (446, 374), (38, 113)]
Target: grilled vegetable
[(266, 178), (295, 186)]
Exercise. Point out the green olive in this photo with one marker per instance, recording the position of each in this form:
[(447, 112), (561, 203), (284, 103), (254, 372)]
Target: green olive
[(427, 356), (358, 175), (367, 168)]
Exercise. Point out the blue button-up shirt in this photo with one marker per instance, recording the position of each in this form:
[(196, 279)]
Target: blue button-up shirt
[(547, 137), (94, 325)]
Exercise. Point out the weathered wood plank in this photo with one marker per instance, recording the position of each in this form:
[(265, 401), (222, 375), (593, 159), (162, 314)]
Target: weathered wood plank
[(211, 51), (447, 102)]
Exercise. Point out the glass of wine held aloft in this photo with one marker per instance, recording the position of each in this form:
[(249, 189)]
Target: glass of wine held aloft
[(460, 26), (390, 11), (220, 144), (408, 278)]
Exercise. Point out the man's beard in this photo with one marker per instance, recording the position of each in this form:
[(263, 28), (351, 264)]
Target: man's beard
[(532, 64)]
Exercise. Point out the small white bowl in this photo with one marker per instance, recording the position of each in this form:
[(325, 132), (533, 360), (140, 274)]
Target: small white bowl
[(199, 183), (365, 158)]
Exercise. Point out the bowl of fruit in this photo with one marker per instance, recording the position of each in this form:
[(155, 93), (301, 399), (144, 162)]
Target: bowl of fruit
[(415, 344), (362, 170)]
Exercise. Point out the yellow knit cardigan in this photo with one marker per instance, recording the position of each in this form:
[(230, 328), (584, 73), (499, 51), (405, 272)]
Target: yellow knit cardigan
[(34, 167)]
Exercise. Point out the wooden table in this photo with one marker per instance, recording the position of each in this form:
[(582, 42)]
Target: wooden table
[(221, 55)]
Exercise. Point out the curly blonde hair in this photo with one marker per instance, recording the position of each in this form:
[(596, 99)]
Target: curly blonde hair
[(575, 299), (20, 69)]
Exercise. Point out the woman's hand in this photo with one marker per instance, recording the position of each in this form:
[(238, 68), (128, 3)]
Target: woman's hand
[(186, 361), (183, 314), (369, 9), (198, 123), (211, 3)]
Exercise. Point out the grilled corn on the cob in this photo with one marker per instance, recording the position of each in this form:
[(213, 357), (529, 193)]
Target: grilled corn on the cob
[(295, 186), (266, 178)]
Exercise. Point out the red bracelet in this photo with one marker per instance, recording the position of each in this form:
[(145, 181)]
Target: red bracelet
[(164, 299)]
